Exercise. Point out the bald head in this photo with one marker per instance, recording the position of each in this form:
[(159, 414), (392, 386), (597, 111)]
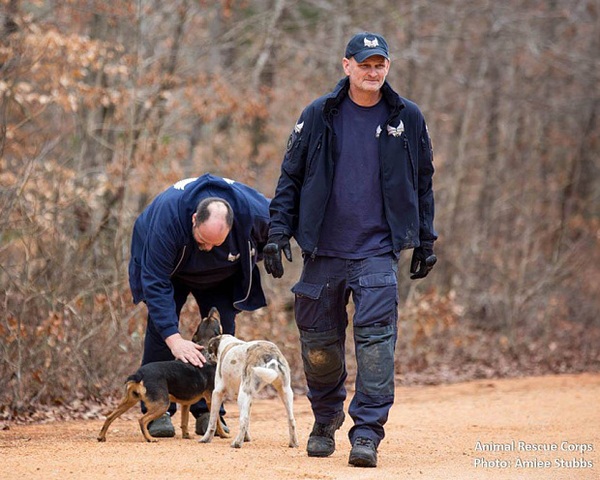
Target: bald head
[(212, 222)]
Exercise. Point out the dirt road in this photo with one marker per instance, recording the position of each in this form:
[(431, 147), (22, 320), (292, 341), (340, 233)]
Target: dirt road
[(541, 428)]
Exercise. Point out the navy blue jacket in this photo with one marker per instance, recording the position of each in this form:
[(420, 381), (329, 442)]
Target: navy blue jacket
[(406, 161), (162, 241)]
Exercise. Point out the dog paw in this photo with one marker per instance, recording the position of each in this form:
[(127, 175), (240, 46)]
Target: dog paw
[(236, 444), (205, 439)]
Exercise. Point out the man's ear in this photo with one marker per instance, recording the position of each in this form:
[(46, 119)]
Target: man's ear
[(346, 65)]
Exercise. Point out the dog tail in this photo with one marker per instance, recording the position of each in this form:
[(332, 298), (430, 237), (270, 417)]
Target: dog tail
[(135, 385), (267, 375)]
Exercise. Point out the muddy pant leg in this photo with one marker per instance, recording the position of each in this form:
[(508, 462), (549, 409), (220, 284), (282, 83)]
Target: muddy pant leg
[(374, 394), (375, 293), (325, 370), (320, 308)]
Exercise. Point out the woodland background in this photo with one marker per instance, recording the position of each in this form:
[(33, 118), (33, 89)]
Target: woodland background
[(105, 104)]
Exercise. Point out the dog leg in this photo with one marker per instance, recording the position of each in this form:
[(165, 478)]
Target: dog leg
[(244, 405), (127, 402), (154, 411), (287, 397), (220, 431), (215, 406), (185, 416)]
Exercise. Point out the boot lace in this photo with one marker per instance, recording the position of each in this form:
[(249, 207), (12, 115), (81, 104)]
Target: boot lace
[(364, 442)]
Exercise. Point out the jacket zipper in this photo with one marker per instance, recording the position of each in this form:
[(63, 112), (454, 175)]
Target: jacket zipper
[(179, 262), (250, 277), (412, 165), (314, 252)]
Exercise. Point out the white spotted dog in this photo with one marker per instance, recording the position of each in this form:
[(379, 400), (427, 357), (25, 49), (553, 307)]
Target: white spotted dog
[(244, 369)]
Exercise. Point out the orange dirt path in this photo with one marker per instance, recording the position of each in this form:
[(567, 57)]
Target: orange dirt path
[(432, 433)]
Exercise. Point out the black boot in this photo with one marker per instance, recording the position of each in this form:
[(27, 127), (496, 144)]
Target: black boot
[(321, 442), (202, 424), (363, 453), (162, 427)]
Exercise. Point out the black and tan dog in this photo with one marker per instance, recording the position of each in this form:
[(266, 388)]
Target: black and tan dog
[(160, 383)]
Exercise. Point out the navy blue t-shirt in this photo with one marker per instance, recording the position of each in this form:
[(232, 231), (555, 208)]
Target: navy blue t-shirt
[(207, 269), (355, 225)]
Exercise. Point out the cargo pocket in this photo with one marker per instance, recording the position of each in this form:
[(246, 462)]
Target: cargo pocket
[(310, 307), (377, 300)]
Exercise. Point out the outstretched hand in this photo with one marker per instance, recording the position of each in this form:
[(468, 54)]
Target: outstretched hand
[(185, 350)]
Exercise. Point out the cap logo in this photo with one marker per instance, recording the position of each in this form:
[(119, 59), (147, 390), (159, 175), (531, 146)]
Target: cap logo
[(371, 43)]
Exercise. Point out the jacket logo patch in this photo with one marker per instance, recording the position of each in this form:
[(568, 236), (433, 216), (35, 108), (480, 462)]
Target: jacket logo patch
[(294, 135), (232, 258), (396, 131), (378, 131)]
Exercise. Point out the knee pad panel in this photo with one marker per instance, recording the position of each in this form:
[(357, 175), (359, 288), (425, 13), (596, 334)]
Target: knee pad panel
[(375, 357), (323, 356)]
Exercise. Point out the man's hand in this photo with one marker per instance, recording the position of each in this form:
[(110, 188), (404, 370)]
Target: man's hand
[(185, 350), (272, 254), (422, 262)]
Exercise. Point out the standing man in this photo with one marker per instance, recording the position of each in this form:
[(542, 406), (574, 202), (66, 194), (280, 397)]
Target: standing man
[(355, 190), (202, 236)]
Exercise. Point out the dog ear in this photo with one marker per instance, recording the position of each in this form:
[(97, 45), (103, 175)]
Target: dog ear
[(213, 347), (214, 314), (199, 333), (208, 327), (201, 327)]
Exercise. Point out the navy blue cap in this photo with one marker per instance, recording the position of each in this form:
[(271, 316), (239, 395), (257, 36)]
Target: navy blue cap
[(366, 44)]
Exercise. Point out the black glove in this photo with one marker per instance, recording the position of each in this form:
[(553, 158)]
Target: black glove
[(422, 261), (272, 254)]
